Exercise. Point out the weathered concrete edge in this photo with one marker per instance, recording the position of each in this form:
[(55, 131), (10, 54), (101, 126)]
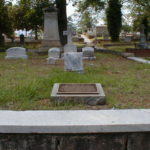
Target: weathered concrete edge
[(138, 59), (74, 129), (74, 122)]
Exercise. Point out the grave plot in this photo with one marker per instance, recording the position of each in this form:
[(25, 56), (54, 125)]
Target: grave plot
[(91, 94)]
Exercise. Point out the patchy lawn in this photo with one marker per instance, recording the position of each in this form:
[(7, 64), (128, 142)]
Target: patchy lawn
[(27, 84)]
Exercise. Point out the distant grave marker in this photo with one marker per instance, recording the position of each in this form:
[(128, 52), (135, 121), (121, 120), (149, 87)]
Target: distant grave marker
[(69, 47), (143, 43), (65, 32), (88, 53), (53, 55), (15, 53)]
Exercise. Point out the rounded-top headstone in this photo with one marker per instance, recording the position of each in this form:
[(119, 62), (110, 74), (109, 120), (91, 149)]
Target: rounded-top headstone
[(54, 52), (16, 52), (88, 52)]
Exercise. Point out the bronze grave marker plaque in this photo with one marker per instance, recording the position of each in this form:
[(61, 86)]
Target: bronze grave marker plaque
[(77, 89)]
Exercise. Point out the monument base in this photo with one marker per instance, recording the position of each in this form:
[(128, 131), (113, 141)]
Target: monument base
[(47, 44), (51, 43)]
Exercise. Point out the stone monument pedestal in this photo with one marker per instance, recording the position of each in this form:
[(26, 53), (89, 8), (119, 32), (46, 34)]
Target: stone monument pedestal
[(51, 33)]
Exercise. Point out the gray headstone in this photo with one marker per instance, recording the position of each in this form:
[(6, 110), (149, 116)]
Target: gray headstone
[(70, 48), (143, 43), (54, 52), (16, 52), (53, 55), (73, 61), (127, 39), (51, 60), (88, 53)]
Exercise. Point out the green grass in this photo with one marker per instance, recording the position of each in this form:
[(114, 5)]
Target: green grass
[(27, 84), (79, 44), (119, 48)]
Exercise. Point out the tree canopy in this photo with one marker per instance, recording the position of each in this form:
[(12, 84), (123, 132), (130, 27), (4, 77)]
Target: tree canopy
[(5, 20), (28, 14)]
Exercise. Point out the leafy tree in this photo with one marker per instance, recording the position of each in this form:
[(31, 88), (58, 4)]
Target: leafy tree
[(11, 13), (87, 22), (88, 12), (126, 28), (22, 15), (5, 21), (140, 14), (145, 23), (85, 4), (114, 19), (36, 14), (29, 15), (71, 23)]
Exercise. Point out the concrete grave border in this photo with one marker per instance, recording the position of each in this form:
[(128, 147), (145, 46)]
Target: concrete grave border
[(75, 122), (90, 99)]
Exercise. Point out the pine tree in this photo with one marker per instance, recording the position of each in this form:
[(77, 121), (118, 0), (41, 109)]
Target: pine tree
[(114, 19)]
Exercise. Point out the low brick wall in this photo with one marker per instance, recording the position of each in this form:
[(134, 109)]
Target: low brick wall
[(139, 52), (112, 141)]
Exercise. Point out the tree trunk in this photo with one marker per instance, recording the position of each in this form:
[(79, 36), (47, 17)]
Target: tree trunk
[(36, 34), (62, 19), (1, 39), (114, 19), (145, 22)]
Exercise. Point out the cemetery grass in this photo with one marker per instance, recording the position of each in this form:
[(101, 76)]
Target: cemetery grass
[(120, 49), (27, 84)]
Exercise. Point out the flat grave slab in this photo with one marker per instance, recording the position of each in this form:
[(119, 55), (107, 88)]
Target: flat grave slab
[(74, 122), (91, 94)]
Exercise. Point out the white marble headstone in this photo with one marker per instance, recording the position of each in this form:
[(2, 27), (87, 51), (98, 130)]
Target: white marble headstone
[(15, 53), (54, 52), (53, 55), (73, 61)]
